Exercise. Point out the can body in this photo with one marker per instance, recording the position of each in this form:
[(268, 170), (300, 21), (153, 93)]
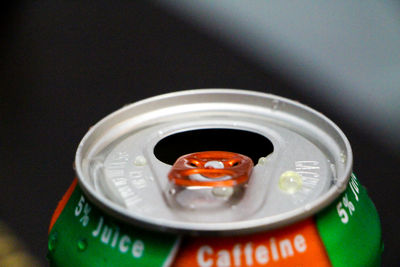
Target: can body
[(215, 177), (347, 233)]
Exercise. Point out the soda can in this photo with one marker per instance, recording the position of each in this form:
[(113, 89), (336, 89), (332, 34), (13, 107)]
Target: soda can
[(215, 177)]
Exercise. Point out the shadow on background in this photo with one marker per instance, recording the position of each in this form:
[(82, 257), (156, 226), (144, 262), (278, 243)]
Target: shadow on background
[(67, 64)]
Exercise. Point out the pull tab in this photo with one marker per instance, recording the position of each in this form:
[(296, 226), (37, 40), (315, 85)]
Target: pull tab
[(211, 168), (209, 179)]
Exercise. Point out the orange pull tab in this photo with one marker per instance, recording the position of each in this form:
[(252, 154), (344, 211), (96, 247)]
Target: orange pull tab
[(211, 168)]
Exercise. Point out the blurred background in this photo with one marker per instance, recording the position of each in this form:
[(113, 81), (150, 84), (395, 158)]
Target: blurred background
[(64, 65)]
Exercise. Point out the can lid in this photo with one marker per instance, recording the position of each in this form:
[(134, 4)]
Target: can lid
[(121, 162)]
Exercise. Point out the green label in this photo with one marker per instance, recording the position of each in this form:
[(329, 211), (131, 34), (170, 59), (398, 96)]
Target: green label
[(85, 236), (350, 229)]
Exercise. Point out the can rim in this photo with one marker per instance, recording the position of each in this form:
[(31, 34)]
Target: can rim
[(224, 228)]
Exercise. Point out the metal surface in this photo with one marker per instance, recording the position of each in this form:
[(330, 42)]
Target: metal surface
[(118, 170)]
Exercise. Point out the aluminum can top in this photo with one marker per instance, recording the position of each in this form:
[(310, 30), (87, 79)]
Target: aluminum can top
[(297, 162)]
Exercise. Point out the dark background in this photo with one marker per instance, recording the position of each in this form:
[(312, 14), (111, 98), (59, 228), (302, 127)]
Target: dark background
[(66, 64)]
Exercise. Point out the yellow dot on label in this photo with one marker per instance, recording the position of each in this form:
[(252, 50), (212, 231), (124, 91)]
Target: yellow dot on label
[(290, 182)]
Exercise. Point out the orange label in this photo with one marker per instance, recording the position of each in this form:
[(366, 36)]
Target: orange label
[(62, 203), (295, 245)]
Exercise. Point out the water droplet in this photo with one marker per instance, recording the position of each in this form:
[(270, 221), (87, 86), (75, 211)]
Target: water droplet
[(222, 191), (82, 244), (275, 104), (262, 160), (52, 242), (342, 157), (172, 191), (290, 182), (140, 161), (160, 133)]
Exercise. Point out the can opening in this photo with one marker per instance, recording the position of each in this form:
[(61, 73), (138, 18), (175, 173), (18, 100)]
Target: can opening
[(250, 144)]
